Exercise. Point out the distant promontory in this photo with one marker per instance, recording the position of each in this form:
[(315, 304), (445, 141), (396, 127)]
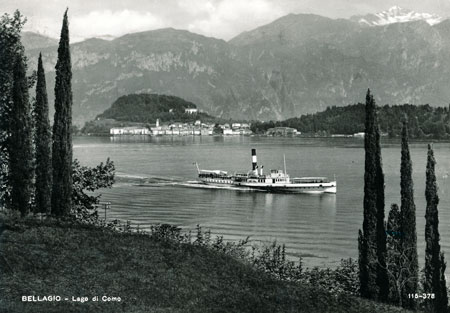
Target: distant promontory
[(147, 108)]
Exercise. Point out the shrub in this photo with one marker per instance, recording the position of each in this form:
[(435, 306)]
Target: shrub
[(89, 179)]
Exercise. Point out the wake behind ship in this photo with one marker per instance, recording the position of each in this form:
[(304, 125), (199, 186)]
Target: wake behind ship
[(275, 181)]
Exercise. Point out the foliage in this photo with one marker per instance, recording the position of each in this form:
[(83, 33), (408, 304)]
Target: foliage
[(435, 265), (425, 121), (20, 147), (382, 275), (168, 232), (342, 280), (85, 181), (403, 274), (372, 240), (204, 239), (143, 110), (393, 251), (43, 182), (179, 277), (408, 225), (10, 47), (146, 108), (270, 259), (217, 130), (62, 134)]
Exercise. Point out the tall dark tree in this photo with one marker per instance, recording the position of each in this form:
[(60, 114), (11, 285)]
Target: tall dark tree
[(382, 275), (394, 254), (10, 46), (43, 144), (20, 149), (372, 239), (62, 135), (408, 223), (435, 265)]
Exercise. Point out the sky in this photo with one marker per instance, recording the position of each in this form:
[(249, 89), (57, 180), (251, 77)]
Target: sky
[(222, 19)]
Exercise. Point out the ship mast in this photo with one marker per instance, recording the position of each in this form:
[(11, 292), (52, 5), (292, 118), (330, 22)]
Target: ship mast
[(198, 169), (284, 159)]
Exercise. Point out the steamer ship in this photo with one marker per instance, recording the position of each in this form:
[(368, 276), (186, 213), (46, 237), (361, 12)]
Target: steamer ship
[(275, 181)]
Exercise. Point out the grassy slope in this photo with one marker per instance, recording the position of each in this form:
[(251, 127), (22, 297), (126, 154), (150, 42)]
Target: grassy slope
[(149, 275)]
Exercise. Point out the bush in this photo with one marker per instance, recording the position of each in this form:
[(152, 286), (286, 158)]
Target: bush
[(343, 279), (168, 232), (272, 259), (89, 179)]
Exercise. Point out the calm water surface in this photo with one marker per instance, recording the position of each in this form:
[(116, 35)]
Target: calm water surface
[(154, 175)]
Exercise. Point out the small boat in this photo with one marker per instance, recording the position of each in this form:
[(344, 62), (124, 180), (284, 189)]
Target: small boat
[(275, 181)]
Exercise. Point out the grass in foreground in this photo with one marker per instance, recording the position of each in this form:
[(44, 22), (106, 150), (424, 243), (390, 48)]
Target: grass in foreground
[(149, 275)]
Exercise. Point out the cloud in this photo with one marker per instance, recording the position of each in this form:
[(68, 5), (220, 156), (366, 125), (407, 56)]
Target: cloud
[(226, 18), (217, 18), (114, 23)]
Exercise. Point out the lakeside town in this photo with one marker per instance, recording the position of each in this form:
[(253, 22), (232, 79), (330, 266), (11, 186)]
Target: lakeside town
[(184, 129), (198, 128)]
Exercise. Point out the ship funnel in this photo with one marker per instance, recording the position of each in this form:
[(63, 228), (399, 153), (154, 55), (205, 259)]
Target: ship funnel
[(254, 160)]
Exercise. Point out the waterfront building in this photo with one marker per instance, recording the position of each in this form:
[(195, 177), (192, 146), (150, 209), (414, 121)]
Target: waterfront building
[(281, 131), (191, 111), (134, 130)]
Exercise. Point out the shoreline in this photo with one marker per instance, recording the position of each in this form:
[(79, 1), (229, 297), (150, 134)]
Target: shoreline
[(383, 139)]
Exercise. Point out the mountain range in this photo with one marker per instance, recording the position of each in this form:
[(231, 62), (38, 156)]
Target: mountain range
[(300, 63), (397, 14)]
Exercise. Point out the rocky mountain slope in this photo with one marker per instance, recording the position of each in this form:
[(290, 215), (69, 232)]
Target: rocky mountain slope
[(205, 71), (397, 14), (37, 41), (294, 65)]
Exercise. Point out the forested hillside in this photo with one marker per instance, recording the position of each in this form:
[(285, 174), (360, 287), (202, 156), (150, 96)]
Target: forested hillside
[(424, 121), (146, 108)]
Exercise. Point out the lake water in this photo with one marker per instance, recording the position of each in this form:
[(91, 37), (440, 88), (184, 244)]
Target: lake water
[(154, 174)]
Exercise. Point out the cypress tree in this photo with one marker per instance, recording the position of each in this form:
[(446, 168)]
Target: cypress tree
[(43, 144), (367, 240), (394, 258), (62, 136), (21, 149), (372, 240), (382, 275), (434, 282), (410, 262)]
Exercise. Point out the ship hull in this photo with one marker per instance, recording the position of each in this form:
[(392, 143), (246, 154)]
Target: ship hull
[(294, 188), (276, 188)]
